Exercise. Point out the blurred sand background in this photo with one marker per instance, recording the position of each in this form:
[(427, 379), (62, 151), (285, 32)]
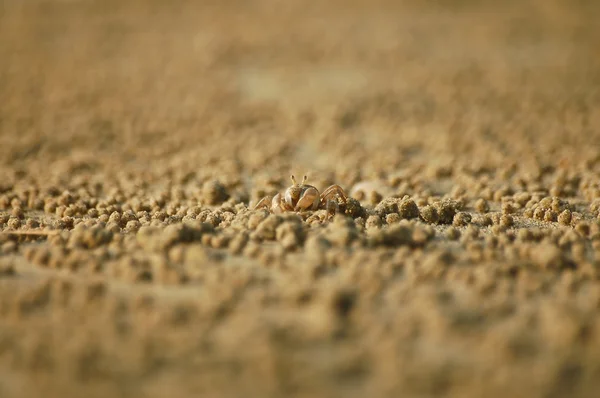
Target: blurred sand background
[(135, 136)]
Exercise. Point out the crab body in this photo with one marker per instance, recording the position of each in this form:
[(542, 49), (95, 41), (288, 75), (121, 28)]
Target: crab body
[(303, 197)]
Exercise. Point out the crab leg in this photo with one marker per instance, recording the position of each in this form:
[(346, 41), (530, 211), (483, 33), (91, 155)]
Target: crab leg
[(264, 202), (332, 207), (331, 192), (278, 205)]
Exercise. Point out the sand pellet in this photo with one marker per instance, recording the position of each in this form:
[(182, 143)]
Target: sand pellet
[(135, 142)]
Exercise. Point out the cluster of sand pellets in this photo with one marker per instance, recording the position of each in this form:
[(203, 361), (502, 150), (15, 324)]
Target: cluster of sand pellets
[(136, 138)]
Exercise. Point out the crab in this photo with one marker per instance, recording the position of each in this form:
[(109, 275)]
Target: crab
[(302, 197)]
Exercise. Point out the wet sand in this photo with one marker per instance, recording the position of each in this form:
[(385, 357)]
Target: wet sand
[(137, 136)]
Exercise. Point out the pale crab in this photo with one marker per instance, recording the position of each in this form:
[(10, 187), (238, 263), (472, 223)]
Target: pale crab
[(302, 197)]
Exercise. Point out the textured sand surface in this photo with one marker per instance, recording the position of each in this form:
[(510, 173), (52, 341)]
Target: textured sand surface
[(136, 137)]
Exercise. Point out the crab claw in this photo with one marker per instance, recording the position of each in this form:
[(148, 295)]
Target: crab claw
[(276, 204), (308, 200)]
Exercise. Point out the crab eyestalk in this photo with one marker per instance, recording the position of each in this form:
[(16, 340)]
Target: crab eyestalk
[(304, 178)]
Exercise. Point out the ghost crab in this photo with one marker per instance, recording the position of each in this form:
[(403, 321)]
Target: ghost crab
[(302, 197)]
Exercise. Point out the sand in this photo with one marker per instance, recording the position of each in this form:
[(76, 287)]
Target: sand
[(137, 136)]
